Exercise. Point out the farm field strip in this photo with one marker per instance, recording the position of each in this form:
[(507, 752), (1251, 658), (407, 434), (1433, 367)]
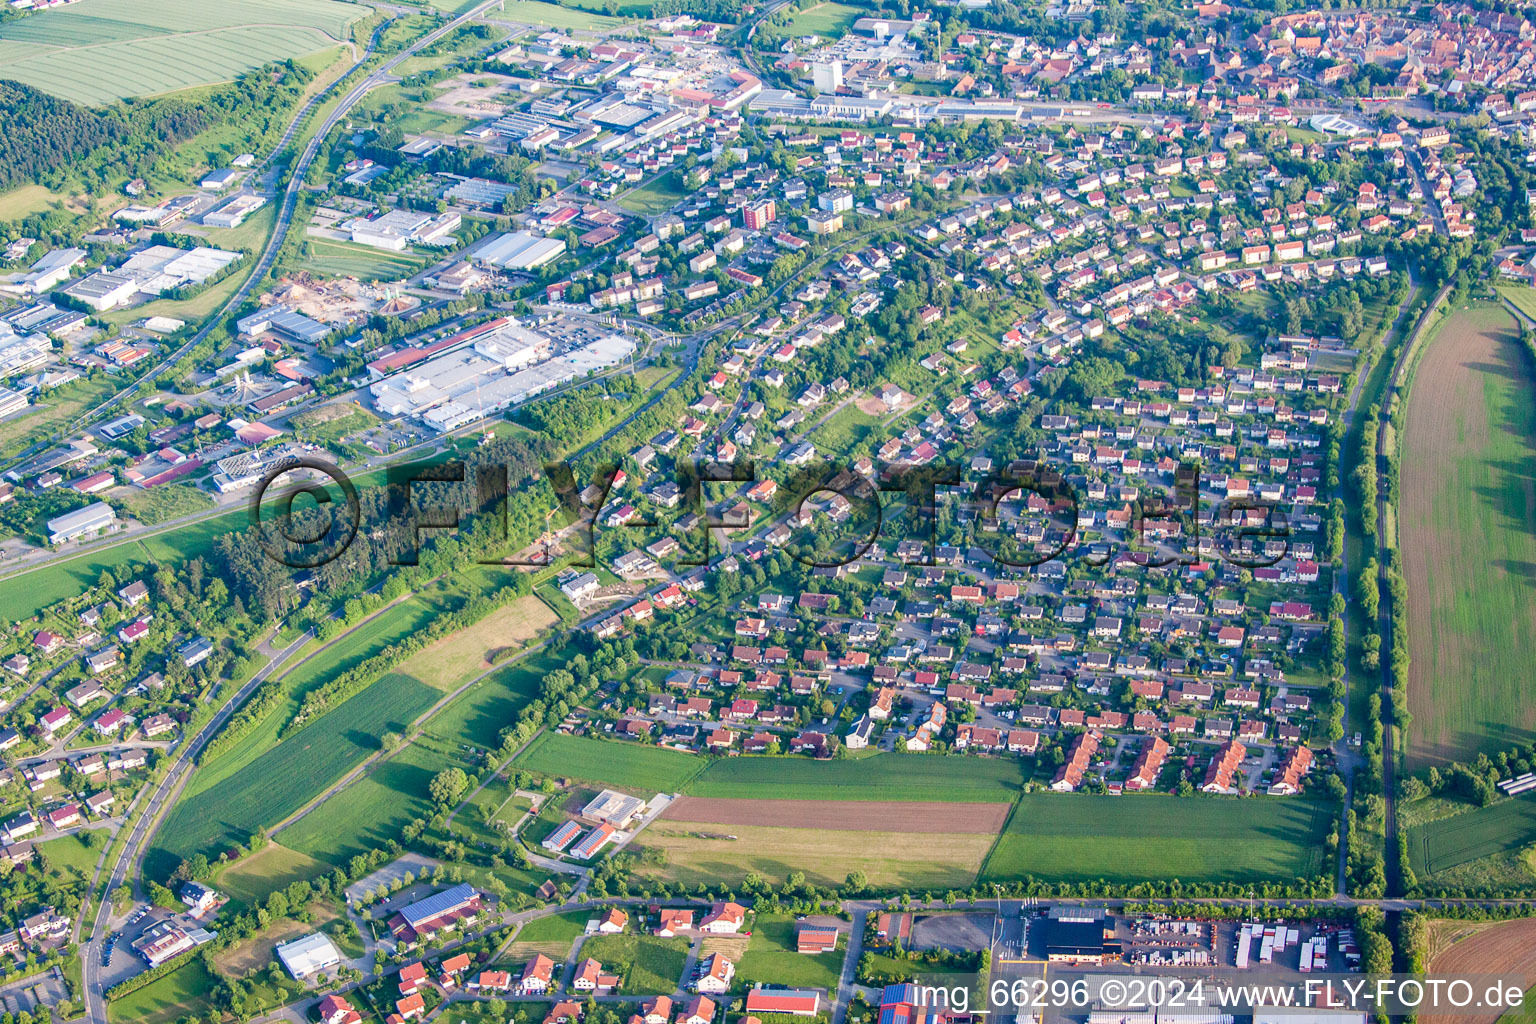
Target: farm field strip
[(148, 47), (1468, 523), (883, 777), (725, 854), (1446, 843), (1508, 948), (623, 765), (848, 815), (1080, 837)]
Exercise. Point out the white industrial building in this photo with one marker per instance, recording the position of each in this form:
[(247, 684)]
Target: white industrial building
[(22, 352), (233, 213), (45, 274), (81, 522), (308, 955), (518, 250), (502, 369), (152, 271), (827, 76), (11, 402), (398, 228)]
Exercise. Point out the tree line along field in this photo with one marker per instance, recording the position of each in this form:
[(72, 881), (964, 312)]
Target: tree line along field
[(1129, 839), (149, 47), (261, 779), (1468, 530)]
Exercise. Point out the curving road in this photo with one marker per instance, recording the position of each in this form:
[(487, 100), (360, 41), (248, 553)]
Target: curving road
[(163, 796), (300, 170)]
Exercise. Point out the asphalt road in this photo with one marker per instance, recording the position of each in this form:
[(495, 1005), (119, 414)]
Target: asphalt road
[(290, 198), (163, 796)]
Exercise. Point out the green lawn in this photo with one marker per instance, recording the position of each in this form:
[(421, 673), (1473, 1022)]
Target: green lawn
[(648, 965), (252, 879), (536, 12), (1129, 839), (554, 929), (831, 20), (771, 958), (1471, 835), (1468, 522), (645, 770), (185, 991), (903, 777), (71, 857), (479, 714), (847, 431), (656, 196), (343, 259), (1524, 298)]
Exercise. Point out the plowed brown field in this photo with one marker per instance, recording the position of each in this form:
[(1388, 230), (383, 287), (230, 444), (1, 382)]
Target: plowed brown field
[(1507, 948)]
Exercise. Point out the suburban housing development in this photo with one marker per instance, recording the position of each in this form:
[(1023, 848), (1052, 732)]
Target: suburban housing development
[(854, 511)]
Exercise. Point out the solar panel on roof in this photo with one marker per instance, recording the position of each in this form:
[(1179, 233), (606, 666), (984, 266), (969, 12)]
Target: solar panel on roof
[(438, 904)]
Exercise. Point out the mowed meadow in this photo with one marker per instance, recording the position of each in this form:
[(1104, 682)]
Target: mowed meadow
[(149, 47), (1468, 539)]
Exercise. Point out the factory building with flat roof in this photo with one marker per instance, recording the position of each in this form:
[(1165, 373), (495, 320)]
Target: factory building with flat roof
[(502, 368)]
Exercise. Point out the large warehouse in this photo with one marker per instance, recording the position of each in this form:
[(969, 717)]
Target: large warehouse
[(81, 522), (518, 250), (500, 370), (308, 955)]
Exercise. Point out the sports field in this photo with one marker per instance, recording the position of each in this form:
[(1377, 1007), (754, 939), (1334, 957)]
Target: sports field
[(1481, 832), (724, 854), (147, 47), (884, 777), (1468, 526), (1129, 839), (284, 778), (643, 770)]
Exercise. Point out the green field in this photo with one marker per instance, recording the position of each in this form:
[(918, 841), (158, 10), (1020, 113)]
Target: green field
[(284, 778), (830, 20), (1468, 523), (630, 766), (1129, 839), (536, 12), (771, 958), (72, 858), (1523, 298), (1446, 843), (648, 965), (387, 627), (252, 879), (373, 809), (845, 431), (656, 196), (183, 992), (478, 715), (904, 777), (343, 259), (147, 47)]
